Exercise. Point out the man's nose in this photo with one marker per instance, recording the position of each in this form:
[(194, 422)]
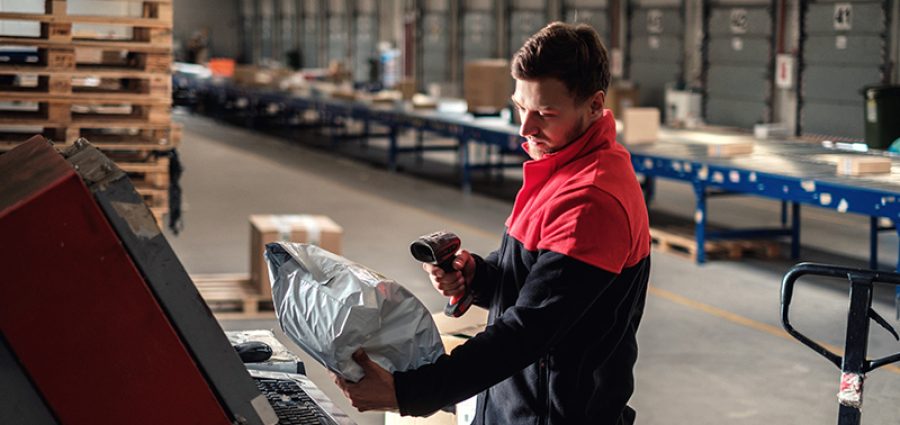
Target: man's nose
[(530, 126)]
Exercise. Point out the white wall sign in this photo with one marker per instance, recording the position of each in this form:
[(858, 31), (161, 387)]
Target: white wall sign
[(840, 42), (653, 42), (843, 16), (739, 21), (654, 21), (616, 67), (784, 71), (737, 44)]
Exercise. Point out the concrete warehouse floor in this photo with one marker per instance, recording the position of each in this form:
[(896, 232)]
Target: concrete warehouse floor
[(712, 349)]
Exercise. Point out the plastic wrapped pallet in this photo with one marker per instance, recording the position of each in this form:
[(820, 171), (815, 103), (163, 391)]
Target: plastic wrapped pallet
[(331, 307)]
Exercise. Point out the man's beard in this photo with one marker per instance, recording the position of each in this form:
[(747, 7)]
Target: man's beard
[(536, 152)]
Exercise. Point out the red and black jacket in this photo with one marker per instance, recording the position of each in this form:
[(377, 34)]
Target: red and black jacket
[(565, 291)]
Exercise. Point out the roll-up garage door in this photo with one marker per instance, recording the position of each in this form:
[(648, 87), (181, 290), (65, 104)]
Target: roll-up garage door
[(738, 63), (655, 48), (365, 36), (526, 17), (593, 13), (310, 33), (338, 32), (435, 43), (479, 30), (844, 49), (266, 28), (287, 28), (249, 31)]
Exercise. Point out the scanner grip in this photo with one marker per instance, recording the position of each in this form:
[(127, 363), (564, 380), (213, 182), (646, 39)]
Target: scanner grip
[(458, 304)]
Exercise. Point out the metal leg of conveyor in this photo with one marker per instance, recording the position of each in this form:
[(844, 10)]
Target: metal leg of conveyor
[(392, 148), (464, 164), (795, 230), (364, 140), (649, 188), (420, 146), (873, 243), (700, 221), (784, 213)]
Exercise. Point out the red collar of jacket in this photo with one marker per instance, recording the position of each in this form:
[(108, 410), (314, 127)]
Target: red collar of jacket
[(598, 135), (535, 173)]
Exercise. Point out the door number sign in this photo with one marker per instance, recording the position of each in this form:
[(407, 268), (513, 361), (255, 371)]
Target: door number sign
[(654, 21), (843, 16), (739, 21)]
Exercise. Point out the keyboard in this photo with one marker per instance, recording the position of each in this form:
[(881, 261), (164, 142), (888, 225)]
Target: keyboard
[(292, 405)]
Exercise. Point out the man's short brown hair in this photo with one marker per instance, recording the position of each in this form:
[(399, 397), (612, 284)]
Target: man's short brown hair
[(572, 54)]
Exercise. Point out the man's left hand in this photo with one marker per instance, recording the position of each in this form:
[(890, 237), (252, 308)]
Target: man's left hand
[(375, 391)]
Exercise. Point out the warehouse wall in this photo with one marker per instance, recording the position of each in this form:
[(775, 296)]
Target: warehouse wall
[(221, 17), (699, 44)]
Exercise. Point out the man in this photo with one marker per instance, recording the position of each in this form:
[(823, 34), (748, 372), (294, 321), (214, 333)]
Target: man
[(566, 289)]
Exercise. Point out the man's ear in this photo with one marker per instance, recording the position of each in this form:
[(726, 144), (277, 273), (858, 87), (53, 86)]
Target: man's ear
[(598, 101)]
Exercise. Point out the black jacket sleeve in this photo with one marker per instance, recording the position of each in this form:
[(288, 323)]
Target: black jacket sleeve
[(556, 294), (487, 273)]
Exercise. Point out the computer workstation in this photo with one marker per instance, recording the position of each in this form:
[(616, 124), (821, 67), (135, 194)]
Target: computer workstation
[(101, 323)]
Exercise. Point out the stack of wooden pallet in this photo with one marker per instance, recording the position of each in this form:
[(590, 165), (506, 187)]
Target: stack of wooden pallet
[(103, 77)]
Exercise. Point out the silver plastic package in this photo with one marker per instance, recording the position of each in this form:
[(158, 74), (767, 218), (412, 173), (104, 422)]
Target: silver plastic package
[(331, 307)]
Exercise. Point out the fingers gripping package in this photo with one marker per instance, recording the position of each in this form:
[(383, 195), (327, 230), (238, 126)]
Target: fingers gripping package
[(331, 307)]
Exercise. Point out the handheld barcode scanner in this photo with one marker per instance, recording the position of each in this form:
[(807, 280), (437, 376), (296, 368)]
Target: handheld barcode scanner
[(439, 248)]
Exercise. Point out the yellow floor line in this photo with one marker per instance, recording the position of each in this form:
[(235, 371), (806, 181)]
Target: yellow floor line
[(741, 320)]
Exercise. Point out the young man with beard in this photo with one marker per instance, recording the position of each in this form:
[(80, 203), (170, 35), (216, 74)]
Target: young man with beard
[(566, 289)]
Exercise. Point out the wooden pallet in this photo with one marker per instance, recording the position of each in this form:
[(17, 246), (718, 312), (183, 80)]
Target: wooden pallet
[(78, 87), (679, 239), (107, 140), (152, 174), (88, 113), (151, 32), (90, 61), (154, 197), (231, 296), (79, 81)]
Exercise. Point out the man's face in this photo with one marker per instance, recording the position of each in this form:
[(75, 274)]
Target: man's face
[(551, 119)]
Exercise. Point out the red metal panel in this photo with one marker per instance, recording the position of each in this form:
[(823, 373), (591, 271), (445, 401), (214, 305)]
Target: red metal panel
[(76, 311)]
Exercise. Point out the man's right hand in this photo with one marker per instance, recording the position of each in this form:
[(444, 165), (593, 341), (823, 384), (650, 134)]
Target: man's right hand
[(452, 284)]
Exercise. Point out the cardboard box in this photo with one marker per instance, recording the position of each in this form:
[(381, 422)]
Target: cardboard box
[(314, 229), (730, 149), (254, 76), (487, 85), (407, 87), (471, 323), (421, 101), (640, 125), (859, 165), (621, 96)]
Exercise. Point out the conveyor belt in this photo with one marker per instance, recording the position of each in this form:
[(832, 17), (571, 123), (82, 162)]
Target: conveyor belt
[(794, 172)]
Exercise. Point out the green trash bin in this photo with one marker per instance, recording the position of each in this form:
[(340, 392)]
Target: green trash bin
[(882, 114)]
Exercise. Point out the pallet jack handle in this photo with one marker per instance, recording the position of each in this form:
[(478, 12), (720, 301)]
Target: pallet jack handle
[(853, 363)]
